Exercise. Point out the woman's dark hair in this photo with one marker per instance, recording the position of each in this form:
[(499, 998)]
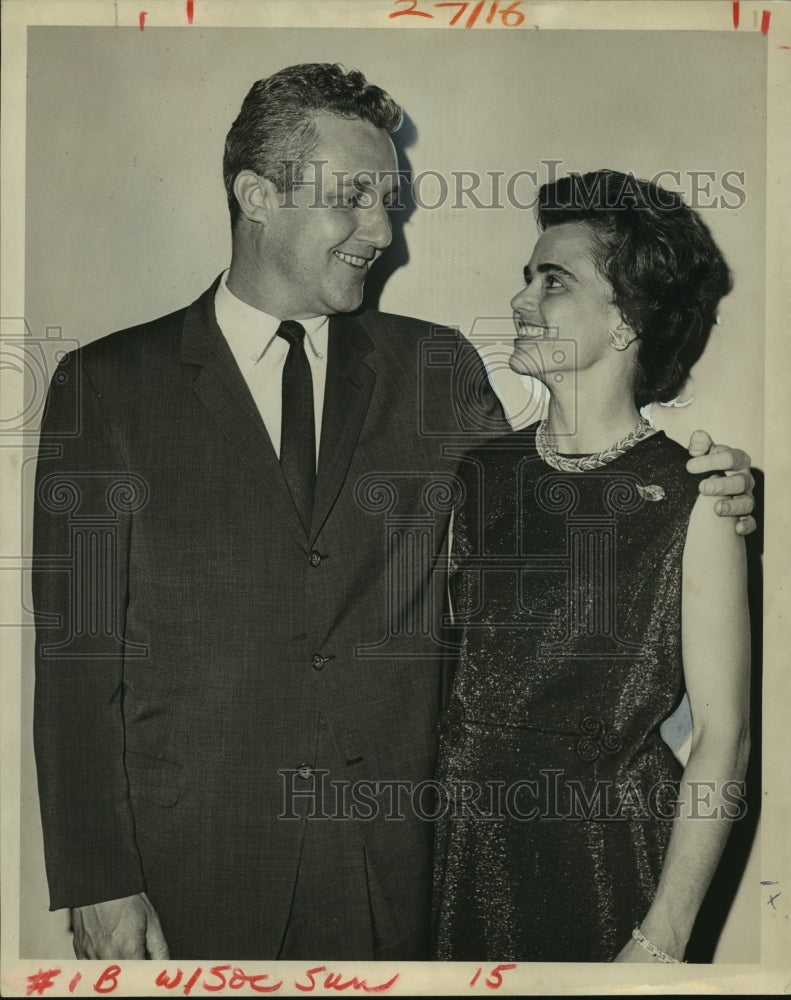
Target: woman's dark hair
[(275, 132), (666, 272)]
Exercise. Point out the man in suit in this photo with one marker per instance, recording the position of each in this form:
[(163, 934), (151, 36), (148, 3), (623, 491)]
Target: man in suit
[(241, 511)]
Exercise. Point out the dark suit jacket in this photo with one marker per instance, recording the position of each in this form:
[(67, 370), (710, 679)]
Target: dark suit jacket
[(193, 642)]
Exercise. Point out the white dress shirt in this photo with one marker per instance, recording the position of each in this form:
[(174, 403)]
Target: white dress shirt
[(261, 355)]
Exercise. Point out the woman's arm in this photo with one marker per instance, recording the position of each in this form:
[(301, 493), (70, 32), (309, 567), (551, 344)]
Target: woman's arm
[(715, 633)]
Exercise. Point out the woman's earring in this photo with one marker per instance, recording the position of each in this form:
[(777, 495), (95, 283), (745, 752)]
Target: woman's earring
[(621, 337)]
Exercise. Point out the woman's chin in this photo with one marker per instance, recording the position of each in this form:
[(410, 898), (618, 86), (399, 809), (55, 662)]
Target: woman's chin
[(523, 365)]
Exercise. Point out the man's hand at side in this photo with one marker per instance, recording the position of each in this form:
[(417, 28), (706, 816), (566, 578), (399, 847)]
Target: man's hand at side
[(736, 486), (118, 928)]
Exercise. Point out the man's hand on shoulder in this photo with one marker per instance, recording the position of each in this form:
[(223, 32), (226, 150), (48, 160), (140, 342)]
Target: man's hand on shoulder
[(736, 486), (118, 928)]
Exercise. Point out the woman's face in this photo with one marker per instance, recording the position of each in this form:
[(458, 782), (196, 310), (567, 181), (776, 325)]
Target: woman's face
[(565, 312)]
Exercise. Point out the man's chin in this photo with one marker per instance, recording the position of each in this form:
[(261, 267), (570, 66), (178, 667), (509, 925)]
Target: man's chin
[(347, 302)]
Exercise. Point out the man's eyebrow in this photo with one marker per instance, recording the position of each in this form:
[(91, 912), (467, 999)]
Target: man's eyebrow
[(548, 268), (368, 178)]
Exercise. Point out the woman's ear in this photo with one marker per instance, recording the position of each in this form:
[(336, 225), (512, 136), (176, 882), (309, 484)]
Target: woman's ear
[(622, 336)]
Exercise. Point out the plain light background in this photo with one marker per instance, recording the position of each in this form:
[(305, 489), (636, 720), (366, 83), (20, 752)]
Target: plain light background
[(126, 216)]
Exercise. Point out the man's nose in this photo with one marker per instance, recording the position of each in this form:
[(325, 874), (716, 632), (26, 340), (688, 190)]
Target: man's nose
[(374, 226)]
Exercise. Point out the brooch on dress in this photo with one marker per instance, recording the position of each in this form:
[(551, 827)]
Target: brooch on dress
[(651, 492)]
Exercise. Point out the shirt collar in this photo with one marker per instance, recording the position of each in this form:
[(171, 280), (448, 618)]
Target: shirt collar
[(250, 332)]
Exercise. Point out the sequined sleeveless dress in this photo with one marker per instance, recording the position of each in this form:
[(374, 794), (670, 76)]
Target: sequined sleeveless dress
[(558, 790)]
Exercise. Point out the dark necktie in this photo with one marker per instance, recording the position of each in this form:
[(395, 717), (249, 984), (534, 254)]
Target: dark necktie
[(298, 431)]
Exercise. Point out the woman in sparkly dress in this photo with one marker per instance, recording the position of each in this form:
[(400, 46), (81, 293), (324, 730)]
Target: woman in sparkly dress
[(591, 586)]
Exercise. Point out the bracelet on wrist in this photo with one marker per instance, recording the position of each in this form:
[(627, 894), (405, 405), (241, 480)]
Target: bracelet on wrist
[(653, 951)]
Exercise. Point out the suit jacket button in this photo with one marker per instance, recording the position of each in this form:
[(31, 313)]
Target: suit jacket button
[(314, 558), (317, 661), (305, 771)]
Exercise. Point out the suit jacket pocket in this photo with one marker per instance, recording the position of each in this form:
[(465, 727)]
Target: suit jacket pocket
[(153, 779)]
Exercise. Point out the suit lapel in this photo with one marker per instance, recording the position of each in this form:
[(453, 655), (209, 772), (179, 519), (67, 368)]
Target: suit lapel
[(222, 389), (350, 384)]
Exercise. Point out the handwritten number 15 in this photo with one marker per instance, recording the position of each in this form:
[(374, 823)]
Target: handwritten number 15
[(495, 979)]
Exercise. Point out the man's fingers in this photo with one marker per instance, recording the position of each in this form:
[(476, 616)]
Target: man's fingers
[(735, 485), (739, 506), (699, 443), (86, 947), (746, 525), (156, 945), (78, 935), (83, 947), (80, 950), (113, 929), (721, 458)]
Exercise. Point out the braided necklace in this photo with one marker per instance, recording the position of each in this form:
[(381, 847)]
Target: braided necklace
[(564, 463)]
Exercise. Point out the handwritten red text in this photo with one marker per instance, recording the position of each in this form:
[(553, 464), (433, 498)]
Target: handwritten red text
[(467, 13)]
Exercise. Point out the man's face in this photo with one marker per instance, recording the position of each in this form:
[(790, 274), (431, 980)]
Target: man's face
[(325, 233)]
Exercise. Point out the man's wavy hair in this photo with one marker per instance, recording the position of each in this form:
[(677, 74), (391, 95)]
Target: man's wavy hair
[(275, 132), (666, 272)]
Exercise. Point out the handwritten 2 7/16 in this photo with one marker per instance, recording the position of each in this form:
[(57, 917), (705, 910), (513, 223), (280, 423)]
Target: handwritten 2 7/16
[(510, 15)]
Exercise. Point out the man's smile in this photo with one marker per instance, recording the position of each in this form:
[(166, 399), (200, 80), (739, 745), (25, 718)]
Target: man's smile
[(347, 258)]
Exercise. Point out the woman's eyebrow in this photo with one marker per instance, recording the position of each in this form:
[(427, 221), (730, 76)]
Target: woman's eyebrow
[(549, 268)]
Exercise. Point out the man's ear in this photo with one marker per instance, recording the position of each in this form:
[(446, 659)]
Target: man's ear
[(255, 195)]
